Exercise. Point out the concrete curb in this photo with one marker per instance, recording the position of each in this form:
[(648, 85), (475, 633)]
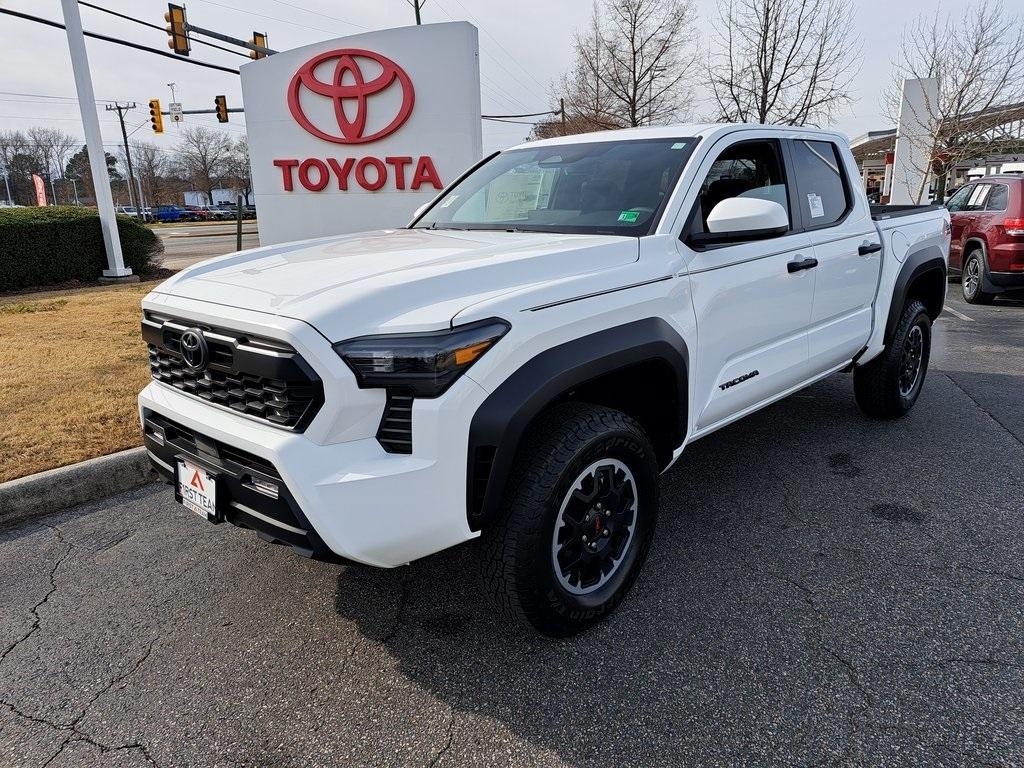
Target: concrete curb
[(57, 489)]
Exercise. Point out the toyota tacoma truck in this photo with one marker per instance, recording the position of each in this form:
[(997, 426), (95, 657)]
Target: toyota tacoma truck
[(525, 359)]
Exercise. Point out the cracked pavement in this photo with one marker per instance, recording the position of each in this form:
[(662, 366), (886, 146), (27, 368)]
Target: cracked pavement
[(823, 590)]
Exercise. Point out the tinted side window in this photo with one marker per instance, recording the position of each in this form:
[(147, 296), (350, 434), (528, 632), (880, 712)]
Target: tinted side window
[(997, 198), (819, 173), (959, 199), (747, 169)]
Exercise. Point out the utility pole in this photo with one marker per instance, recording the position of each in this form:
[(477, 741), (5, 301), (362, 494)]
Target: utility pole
[(116, 270), (121, 109), (7, 184), (417, 5)]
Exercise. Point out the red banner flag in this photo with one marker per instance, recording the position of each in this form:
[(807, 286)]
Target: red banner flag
[(40, 189)]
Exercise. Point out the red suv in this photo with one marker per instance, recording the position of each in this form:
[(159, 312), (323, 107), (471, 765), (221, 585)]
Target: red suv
[(987, 246)]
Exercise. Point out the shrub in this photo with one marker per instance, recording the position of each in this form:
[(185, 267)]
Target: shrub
[(58, 244)]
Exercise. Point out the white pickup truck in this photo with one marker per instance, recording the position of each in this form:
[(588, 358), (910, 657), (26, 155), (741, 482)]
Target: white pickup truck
[(526, 358)]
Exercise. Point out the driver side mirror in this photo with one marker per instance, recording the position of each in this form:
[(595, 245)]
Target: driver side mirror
[(743, 218)]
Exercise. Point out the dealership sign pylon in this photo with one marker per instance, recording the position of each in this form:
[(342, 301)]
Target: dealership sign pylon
[(356, 133)]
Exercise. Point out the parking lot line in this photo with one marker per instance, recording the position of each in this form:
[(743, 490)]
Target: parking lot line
[(957, 313)]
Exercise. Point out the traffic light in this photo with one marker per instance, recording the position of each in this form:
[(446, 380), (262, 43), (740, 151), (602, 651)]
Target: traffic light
[(155, 117), (177, 29), (221, 102), (260, 39)]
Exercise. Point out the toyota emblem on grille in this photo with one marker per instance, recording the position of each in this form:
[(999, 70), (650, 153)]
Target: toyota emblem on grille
[(193, 349)]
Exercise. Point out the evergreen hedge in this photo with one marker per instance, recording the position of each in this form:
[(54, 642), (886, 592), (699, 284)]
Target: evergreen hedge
[(61, 243)]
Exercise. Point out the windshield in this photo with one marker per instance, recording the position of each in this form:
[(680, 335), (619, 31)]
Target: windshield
[(605, 188)]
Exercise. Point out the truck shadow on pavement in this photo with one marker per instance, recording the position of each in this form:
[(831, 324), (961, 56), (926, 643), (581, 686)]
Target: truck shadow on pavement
[(819, 590)]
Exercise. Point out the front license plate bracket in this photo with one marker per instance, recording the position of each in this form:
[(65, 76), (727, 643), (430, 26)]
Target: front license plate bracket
[(195, 488)]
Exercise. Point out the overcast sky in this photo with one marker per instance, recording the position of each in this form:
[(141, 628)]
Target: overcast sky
[(525, 45)]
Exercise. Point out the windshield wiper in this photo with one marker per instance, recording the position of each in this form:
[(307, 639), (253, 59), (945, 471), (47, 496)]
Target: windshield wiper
[(433, 225)]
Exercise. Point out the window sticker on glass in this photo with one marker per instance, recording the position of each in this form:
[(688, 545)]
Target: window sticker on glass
[(814, 203), (678, 145), (629, 217), (450, 199)]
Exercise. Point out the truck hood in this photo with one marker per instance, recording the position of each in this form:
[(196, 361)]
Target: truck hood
[(394, 280)]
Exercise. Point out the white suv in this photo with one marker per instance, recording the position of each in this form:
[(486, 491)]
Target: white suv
[(526, 358)]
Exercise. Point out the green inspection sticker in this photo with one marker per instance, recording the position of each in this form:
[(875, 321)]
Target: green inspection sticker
[(678, 145), (629, 216)]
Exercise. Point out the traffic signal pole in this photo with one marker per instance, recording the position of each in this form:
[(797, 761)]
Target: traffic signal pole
[(116, 270)]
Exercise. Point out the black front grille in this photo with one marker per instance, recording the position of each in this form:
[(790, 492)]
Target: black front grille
[(259, 378), (395, 431)]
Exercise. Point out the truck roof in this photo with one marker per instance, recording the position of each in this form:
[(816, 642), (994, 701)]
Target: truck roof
[(700, 130)]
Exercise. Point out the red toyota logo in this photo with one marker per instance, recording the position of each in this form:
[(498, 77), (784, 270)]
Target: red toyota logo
[(358, 88)]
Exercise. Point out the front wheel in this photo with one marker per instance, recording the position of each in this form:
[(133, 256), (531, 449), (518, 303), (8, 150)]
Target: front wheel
[(578, 519), (888, 386)]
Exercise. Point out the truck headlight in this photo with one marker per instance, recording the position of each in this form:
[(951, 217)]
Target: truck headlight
[(424, 363)]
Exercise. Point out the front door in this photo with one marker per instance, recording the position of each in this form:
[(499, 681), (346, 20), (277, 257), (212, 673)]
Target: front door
[(752, 311)]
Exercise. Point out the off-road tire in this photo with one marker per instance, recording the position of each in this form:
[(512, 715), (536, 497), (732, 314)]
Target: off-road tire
[(518, 560), (876, 384), (974, 289)]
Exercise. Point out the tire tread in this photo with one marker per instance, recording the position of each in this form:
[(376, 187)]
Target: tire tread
[(548, 447), (876, 383)]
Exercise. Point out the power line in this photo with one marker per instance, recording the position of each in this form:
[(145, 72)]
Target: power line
[(516, 78), (317, 13), (126, 43), (528, 114), (519, 122), (265, 16), (498, 43), (155, 26), (47, 96)]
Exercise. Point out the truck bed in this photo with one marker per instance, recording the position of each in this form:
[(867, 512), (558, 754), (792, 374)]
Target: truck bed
[(882, 212)]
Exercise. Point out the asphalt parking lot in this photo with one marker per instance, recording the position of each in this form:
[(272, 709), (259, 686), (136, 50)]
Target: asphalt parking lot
[(823, 590)]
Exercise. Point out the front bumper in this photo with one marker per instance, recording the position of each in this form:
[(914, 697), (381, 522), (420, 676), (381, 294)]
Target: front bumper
[(348, 499), (341, 492)]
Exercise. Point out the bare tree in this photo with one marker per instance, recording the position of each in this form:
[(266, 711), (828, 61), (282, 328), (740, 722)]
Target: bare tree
[(783, 61), (633, 66), (150, 167), (52, 146), (977, 62), (238, 167), (19, 159), (203, 154)]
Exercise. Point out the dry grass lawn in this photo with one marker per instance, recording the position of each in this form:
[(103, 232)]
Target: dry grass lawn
[(71, 364)]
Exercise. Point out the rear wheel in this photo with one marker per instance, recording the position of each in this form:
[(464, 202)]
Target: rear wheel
[(577, 521), (972, 280), (888, 386)]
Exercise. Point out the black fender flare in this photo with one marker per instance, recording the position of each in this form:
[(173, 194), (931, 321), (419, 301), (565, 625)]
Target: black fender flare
[(918, 263), (501, 420)]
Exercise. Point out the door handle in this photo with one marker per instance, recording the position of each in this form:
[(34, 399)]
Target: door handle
[(796, 266), (867, 248)]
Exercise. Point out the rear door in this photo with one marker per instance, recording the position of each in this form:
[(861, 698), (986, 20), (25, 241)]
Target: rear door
[(987, 221), (751, 311), (847, 246)]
